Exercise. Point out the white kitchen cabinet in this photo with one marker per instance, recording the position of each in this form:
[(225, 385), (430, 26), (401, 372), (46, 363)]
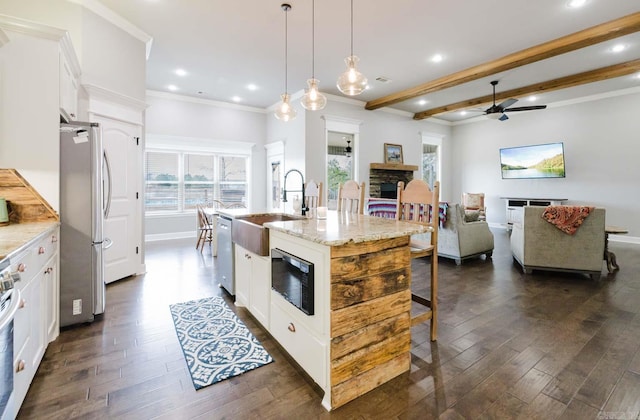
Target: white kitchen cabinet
[(36, 321), (242, 276), (68, 87), (253, 283)]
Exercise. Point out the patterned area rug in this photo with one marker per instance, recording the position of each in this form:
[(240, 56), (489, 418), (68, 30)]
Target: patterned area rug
[(215, 343)]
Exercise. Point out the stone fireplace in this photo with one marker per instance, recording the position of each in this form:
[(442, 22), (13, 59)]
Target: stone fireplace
[(384, 178)]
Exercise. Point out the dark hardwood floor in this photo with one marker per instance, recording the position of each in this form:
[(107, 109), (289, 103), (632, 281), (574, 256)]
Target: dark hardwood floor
[(539, 346)]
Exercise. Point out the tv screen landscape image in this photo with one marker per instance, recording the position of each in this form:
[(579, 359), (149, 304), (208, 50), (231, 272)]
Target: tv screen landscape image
[(538, 161)]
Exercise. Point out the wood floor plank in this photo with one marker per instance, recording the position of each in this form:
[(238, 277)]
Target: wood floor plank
[(540, 346)]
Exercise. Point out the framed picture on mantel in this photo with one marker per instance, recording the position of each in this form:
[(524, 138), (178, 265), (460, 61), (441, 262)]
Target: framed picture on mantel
[(393, 153)]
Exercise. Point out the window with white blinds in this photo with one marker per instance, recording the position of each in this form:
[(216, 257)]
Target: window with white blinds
[(176, 181)]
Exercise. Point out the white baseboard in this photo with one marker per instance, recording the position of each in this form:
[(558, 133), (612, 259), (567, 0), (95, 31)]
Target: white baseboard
[(167, 236)]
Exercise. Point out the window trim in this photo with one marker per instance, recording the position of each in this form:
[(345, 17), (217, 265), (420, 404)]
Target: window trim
[(192, 145)]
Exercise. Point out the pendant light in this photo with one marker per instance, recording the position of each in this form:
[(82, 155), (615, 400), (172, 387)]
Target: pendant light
[(347, 150), (285, 111), (352, 82), (313, 100)]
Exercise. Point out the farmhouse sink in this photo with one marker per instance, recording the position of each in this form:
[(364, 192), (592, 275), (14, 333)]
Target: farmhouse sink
[(248, 231)]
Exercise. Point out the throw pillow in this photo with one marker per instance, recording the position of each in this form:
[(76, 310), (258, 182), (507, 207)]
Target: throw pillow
[(471, 215)]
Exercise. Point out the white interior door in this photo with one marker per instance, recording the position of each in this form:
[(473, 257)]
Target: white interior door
[(122, 224)]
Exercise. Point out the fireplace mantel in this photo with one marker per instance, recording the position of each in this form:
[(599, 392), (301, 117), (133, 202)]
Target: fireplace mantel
[(393, 167)]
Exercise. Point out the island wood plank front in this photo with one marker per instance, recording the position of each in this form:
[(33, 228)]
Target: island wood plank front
[(370, 316)]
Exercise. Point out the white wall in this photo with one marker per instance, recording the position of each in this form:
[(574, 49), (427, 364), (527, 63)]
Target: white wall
[(174, 115), (601, 154)]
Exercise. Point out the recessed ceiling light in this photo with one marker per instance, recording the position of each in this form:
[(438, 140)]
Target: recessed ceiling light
[(576, 3), (437, 58), (638, 76), (618, 48), (423, 102), (172, 88), (252, 87), (533, 98), (181, 72), (463, 113), (236, 98)]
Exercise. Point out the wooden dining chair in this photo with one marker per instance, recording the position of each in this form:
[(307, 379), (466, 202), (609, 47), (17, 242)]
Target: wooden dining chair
[(206, 231), (351, 197), (417, 203), (312, 194)]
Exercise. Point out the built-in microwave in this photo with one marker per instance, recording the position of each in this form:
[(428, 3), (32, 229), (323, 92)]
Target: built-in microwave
[(292, 277)]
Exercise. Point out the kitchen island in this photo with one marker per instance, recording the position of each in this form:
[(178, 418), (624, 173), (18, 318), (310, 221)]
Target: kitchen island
[(358, 336)]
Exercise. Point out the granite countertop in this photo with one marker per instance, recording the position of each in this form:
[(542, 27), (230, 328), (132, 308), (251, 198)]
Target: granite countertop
[(340, 228), (15, 236)]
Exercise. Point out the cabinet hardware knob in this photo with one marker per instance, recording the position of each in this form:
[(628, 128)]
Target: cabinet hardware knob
[(23, 303), (41, 250), (22, 267), (291, 327), (21, 365), (54, 239)]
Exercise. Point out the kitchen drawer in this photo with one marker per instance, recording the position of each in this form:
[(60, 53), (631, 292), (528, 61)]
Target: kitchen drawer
[(25, 265), (45, 248), (309, 351)]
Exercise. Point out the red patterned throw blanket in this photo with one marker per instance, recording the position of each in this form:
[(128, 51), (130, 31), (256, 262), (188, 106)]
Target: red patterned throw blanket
[(566, 218)]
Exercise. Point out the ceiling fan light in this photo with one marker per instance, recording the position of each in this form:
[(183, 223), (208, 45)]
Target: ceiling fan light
[(313, 100), (352, 82), (494, 115), (285, 111)]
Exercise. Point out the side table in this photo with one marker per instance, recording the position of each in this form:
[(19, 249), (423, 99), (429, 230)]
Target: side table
[(609, 256)]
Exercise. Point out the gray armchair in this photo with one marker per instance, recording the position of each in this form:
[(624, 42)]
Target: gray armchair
[(459, 239), (537, 244)]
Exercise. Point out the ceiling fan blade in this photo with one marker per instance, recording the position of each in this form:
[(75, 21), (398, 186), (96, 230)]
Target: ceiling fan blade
[(525, 108), (507, 103), (503, 117)]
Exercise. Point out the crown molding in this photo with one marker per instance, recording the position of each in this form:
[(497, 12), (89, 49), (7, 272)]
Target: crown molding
[(100, 93), (595, 97), (28, 27), (201, 101), (70, 54), (112, 17)]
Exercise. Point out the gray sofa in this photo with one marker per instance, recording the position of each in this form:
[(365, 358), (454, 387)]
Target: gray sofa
[(460, 240), (537, 244)]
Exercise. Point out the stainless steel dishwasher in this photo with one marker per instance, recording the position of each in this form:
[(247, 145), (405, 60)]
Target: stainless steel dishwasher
[(225, 258)]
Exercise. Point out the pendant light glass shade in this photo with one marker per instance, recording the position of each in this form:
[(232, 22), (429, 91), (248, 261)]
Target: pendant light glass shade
[(285, 111), (352, 82), (313, 100)]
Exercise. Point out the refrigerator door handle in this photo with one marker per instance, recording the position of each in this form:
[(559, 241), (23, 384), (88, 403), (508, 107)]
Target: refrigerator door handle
[(107, 205), (106, 243)]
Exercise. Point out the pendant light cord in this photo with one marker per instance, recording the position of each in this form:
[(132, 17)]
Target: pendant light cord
[(313, 39), (286, 32), (352, 28)]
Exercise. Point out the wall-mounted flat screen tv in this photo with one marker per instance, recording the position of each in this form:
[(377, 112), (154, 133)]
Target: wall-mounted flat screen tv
[(537, 161)]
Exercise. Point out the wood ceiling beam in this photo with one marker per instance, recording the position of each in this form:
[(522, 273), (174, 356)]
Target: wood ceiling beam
[(613, 29), (591, 76)]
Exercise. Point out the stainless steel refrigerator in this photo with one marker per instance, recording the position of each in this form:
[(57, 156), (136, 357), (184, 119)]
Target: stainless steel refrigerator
[(84, 203)]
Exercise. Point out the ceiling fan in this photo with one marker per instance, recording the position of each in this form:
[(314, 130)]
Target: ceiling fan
[(498, 111)]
